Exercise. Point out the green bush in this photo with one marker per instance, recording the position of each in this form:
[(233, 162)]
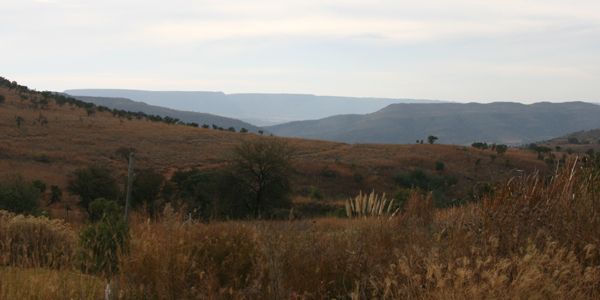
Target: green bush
[(440, 166), (19, 196), (146, 188), (92, 183), (40, 185), (55, 194), (103, 240)]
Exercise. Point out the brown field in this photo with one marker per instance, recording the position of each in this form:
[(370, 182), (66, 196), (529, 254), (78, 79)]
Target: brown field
[(72, 139), (531, 240)]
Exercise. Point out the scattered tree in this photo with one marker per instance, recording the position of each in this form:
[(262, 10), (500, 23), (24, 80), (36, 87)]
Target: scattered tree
[(262, 169), (431, 139), (243, 130), (480, 145)]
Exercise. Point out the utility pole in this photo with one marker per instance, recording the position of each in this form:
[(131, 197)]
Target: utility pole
[(130, 176)]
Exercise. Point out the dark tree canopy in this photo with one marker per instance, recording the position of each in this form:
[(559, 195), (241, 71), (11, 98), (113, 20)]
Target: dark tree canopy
[(261, 170), (146, 188), (92, 183), (431, 139)]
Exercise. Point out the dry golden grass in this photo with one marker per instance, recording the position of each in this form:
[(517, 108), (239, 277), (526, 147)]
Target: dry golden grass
[(72, 139), (41, 284), (535, 238)]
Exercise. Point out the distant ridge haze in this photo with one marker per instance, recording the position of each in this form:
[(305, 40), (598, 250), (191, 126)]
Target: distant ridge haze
[(256, 108), (453, 123)]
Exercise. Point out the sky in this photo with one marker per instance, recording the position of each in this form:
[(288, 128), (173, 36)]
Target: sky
[(458, 50)]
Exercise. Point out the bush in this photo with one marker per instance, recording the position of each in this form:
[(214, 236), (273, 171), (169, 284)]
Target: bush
[(145, 189), (440, 166), (40, 185), (19, 196), (196, 190), (92, 183), (103, 240), (55, 194), (2, 99)]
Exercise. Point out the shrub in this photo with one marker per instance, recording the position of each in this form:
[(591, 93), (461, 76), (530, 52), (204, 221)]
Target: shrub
[(104, 239), (40, 185), (145, 189), (480, 145), (55, 194), (440, 166), (19, 196), (91, 183), (2, 99), (501, 149), (196, 190)]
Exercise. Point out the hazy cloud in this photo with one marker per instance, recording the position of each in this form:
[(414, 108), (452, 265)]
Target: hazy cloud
[(445, 49)]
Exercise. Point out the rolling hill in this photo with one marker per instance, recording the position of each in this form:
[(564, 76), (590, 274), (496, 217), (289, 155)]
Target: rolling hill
[(257, 109), (579, 142), (51, 140), (453, 123), (186, 116)]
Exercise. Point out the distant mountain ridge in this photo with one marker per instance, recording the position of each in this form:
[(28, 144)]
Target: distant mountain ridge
[(453, 123), (258, 109), (186, 116)]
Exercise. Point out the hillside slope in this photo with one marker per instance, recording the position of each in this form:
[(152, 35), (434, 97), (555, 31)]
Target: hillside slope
[(453, 123), (580, 141), (186, 116), (53, 140), (258, 109)]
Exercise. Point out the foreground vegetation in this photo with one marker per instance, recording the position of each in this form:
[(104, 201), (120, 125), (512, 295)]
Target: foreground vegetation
[(534, 237)]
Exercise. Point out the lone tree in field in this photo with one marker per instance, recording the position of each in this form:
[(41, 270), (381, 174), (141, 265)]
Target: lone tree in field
[(92, 183), (262, 169), (432, 138)]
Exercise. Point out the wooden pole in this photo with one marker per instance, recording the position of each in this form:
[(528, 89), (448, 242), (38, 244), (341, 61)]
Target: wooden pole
[(129, 184)]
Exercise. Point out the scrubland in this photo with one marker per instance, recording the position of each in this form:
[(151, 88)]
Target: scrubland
[(534, 237)]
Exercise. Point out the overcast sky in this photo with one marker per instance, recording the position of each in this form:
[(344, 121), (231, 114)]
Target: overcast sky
[(462, 50)]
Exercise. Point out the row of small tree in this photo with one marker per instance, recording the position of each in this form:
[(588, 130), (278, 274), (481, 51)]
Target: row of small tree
[(41, 100)]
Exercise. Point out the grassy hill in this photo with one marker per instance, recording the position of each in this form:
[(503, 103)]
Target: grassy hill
[(185, 116), (71, 138), (453, 123), (579, 142)]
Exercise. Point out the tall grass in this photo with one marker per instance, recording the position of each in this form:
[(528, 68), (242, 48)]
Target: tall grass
[(536, 237)]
